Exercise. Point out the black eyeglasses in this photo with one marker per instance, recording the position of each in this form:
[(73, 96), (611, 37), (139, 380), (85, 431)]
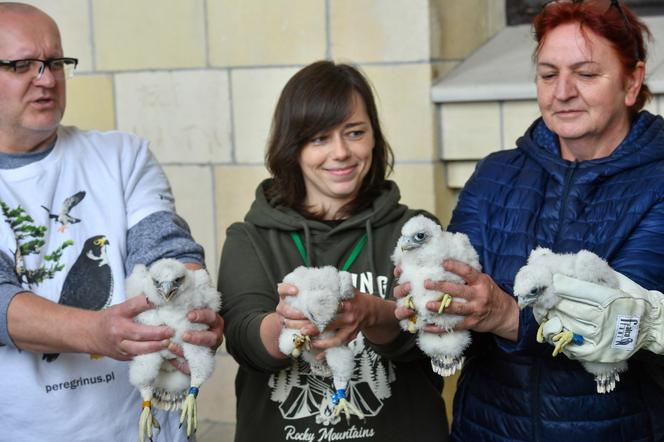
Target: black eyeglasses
[(34, 65), (606, 5)]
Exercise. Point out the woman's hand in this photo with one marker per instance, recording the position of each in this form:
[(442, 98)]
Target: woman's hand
[(487, 308), (352, 315), (369, 314), (283, 316), (290, 317), (401, 291)]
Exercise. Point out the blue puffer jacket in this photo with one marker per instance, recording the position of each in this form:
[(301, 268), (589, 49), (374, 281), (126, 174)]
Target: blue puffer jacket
[(527, 197)]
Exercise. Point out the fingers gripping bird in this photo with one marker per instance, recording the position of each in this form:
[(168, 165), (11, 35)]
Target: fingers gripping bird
[(64, 218), (89, 283), (420, 252), (533, 286), (320, 291), (174, 290)]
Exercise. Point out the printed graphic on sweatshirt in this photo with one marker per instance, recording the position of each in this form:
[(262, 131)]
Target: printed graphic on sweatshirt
[(301, 394), (89, 282), (63, 217), (30, 239), (80, 382), (364, 282)]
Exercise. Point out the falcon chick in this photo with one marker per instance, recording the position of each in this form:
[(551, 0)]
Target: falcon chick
[(174, 290), (420, 252), (320, 292), (533, 286)]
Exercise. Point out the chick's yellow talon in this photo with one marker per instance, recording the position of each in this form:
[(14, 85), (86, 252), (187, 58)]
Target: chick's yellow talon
[(412, 320), (348, 409), (146, 422), (561, 340), (190, 414), (408, 302), (445, 302), (540, 333), (300, 341)]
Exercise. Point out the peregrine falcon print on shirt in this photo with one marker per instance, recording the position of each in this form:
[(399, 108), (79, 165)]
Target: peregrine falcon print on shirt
[(89, 283), (64, 218)]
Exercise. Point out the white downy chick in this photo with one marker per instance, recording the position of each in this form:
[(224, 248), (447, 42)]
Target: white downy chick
[(175, 291), (420, 252), (320, 292), (533, 286)]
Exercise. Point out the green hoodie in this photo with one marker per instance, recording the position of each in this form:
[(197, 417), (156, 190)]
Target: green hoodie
[(279, 399)]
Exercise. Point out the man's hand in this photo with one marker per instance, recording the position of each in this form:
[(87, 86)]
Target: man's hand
[(116, 335), (213, 337)]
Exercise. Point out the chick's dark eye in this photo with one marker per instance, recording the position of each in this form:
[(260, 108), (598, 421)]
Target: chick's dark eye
[(420, 236)]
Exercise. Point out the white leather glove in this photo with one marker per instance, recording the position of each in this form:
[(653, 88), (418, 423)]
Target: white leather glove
[(614, 323)]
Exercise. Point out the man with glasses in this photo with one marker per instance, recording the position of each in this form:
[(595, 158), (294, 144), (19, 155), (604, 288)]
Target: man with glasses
[(78, 211), (30, 65)]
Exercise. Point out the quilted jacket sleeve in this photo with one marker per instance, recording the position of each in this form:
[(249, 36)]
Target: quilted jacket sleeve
[(641, 258), (466, 218)]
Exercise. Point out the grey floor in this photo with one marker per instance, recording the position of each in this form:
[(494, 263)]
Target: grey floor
[(210, 431)]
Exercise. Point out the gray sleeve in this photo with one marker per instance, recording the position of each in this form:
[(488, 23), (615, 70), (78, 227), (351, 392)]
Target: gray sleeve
[(9, 287), (161, 235)]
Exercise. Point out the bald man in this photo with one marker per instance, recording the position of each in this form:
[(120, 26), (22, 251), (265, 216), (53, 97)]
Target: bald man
[(79, 210)]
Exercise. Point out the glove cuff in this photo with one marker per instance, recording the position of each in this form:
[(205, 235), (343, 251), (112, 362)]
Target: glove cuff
[(651, 326), (654, 334)]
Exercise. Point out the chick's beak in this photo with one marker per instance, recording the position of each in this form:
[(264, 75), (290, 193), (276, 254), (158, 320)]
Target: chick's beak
[(409, 245), (167, 289)]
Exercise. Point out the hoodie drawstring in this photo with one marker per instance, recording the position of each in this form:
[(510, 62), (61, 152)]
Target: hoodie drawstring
[(305, 250), (307, 241), (300, 247), (369, 235)]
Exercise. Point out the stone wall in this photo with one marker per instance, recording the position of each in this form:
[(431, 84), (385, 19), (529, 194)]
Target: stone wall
[(200, 79)]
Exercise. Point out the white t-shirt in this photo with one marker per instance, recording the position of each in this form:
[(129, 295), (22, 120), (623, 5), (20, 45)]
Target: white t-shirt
[(81, 199)]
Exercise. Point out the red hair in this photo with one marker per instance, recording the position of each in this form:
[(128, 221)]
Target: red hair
[(616, 23)]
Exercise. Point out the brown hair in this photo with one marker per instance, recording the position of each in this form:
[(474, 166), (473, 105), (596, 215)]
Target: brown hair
[(609, 19), (316, 99)]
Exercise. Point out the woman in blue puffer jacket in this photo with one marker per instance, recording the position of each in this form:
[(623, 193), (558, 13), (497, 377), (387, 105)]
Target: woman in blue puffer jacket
[(587, 175)]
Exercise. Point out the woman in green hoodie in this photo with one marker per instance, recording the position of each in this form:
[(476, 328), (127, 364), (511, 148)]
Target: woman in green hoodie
[(328, 203)]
